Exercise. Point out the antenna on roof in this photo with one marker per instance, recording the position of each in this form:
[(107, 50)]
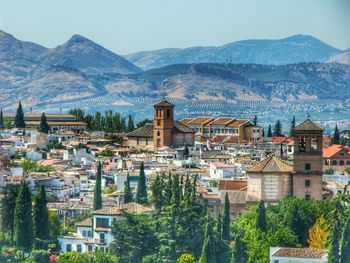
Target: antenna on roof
[(308, 115)]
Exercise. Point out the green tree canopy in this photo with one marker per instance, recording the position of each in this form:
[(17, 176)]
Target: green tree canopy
[(44, 126), (19, 118), (40, 215), (23, 221), (141, 192), (97, 202)]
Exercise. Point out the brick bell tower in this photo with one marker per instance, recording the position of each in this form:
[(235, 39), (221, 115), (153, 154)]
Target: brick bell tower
[(163, 124), (307, 168)]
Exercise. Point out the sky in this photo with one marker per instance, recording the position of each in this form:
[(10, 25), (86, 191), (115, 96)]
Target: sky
[(127, 26)]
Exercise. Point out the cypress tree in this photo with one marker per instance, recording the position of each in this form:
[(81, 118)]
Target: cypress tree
[(269, 132), (263, 132), (168, 189), (219, 226), (97, 194), (186, 151), (255, 121), (292, 126), (277, 131), (239, 252), (19, 118), (8, 204), (336, 136), (141, 193), (175, 196), (44, 126), (131, 125), (157, 195), (208, 250), (41, 215), (23, 220), (226, 219), (127, 190), (261, 217), (1, 120), (345, 243)]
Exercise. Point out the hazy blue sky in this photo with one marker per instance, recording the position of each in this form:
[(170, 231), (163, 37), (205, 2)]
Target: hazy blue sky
[(125, 26)]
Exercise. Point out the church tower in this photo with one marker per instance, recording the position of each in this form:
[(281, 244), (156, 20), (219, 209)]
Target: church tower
[(163, 124), (307, 168)]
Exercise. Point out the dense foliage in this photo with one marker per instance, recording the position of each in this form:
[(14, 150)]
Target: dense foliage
[(175, 228), (109, 121)]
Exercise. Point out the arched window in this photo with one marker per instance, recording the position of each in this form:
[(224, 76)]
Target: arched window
[(334, 162), (158, 133), (341, 162), (347, 162)]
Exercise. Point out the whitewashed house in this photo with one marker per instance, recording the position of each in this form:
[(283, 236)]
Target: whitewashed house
[(219, 170), (101, 226), (297, 255)]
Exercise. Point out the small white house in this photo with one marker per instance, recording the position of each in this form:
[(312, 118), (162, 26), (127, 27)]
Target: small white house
[(34, 155), (97, 234), (219, 170), (297, 255)]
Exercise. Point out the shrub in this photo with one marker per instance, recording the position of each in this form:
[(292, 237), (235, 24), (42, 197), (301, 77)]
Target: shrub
[(40, 256)]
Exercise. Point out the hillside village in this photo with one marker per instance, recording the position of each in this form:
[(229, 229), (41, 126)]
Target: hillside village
[(93, 178)]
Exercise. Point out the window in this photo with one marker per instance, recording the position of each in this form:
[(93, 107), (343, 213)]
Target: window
[(314, 144), (69, 247), (102, 222), (334, 162), (341, 162), (78, 248), (342, 154), (168, 113), (302, 146), (307, 166), (89, 247), (146, 141), (158, 133), (84, 233), (307, 197), (307, 183), (89, 234), (158, 122), (347, 162), (137, 141)]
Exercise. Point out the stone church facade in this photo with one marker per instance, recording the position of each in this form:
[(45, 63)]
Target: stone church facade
[(163, 132)]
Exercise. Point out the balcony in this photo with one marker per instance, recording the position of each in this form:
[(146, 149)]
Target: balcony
[(100, 241)]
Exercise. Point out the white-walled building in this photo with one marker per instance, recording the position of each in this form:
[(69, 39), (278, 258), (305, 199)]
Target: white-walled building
[(297, 255), (101, 235)]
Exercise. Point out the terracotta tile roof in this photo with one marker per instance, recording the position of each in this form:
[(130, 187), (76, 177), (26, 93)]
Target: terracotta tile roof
[(271, 164), (237, 123), (185, 121), (129, 207), (233, 185), (221, 165), (27, 115), (308, 253), (62, 123), (147, 130), (85, 223), (200, 121), (308, 125), (144, 131), (221, 121), (281, 139), (163, 103), (329, 152), (181, 128)]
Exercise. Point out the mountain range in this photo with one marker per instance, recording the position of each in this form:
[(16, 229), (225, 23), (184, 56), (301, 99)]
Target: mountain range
[(294, 49), (82, 73)]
